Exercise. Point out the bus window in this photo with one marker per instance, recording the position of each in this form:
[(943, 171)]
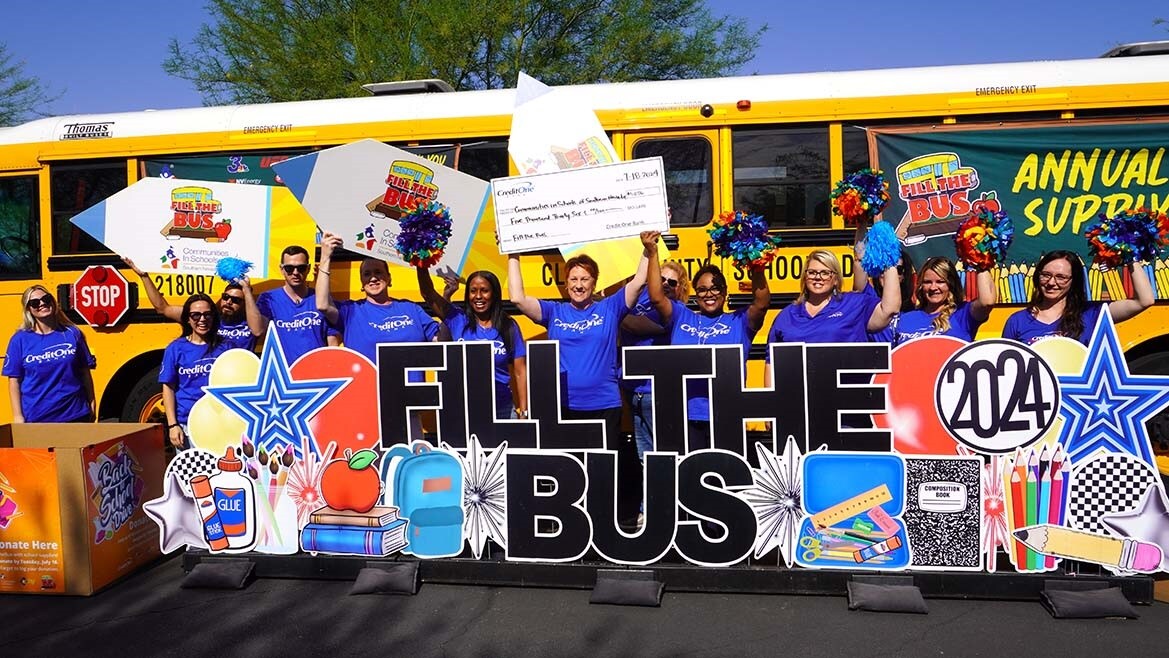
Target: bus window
[(687, 164), (484, 160), (856, 149), (20, 256), (74, 188), (782, 174)]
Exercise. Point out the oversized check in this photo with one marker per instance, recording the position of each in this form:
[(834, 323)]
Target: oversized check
[(580, 205)]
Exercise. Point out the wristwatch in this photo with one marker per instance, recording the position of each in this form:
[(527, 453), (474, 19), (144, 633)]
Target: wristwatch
[(521, 414)]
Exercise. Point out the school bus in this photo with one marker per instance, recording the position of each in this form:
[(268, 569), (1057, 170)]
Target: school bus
[(769, 144)]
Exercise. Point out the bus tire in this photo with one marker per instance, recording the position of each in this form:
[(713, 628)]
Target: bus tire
[(1156, 363), (144, 402)]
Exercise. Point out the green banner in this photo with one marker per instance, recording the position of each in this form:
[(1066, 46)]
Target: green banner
[(1051, 181), (246, 169)]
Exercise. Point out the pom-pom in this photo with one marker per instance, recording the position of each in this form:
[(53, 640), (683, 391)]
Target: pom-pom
[(232, 269), (743, 238), (882, 249), (1130, 236), (424, 234), (861, 194), (983, 238)]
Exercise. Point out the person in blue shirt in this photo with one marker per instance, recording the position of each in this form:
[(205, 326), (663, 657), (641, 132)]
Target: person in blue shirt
[(644, 326), (862, 283), (587, 329), (942, 309), (712, 324), (234, 330), (47, 365), (1059, 305), (290, 309), (482, 317), (186, 365)]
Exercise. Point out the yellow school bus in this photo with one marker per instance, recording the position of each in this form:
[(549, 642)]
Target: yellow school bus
[(771, 145)]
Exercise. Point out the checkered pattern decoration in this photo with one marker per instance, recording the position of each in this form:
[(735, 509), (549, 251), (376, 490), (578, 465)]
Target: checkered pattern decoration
[(189, 463), (1107, 483)]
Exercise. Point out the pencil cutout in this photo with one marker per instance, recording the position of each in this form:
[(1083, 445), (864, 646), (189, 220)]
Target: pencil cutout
[(1125, 554)]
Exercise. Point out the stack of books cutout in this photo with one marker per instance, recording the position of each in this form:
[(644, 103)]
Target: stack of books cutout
[(375, 533)]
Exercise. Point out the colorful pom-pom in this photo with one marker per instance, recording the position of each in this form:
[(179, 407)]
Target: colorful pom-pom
[(232, 269), (983, 238), (424, 234), (1128, 237), (882, 249), (743, 238), (861, 194)]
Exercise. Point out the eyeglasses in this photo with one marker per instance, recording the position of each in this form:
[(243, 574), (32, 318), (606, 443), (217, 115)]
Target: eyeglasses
[(299, 269), (819, 274), (38, 302), (669, 283), (1061, 279), (232, 299), (702, 292), (200, 315)]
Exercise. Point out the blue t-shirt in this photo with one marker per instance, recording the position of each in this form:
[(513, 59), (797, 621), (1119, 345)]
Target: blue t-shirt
[(50, 368), (364, 325), (843, 320), (186, 368), (237, 336), (1025, 328), (301, 327), (645, 308), (588, 349), (885, 335), (461, 330), (690, 328), (917, 323)]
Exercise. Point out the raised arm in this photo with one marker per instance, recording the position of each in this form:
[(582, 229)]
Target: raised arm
[(860, 278), (172, 313), (633, 288), (329, 242), (988, 296), (529, 306), (519, 367), (890, 301), (653, 279), (257, 323), (760, 299), (440, 303), (1142, 296)]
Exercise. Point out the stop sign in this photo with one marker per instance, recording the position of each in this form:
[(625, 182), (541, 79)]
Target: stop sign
[(101, 295)]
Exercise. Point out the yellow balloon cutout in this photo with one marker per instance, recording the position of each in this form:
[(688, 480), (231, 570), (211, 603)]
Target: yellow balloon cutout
[(213, 426), (235, 368), (1066, 356)]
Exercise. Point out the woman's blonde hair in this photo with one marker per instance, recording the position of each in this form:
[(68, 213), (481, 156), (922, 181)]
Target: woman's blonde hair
[(941, 266), (683, 294), (28, 322), (827, 259)]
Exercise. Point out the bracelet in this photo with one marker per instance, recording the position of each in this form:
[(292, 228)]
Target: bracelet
[(521, 414), (320, 271)]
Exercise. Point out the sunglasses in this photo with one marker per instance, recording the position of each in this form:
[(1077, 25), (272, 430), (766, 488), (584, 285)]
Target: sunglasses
[(38, 302), (200, 315), (669, 283), (300, 269), (232, 299)]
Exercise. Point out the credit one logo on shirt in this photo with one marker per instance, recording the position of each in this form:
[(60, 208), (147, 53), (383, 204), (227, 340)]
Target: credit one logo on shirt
[(580, 326), (302, 320), (234, 332), (53, 353), (394, 323), (201, 367), (497, 347), (705, 333)]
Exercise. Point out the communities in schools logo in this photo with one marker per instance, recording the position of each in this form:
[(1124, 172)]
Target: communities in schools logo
[(938, 191), (196, 213), (169, 260)]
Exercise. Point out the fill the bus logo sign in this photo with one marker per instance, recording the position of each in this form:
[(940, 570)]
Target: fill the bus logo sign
[(96, 130), (937, 191), (408, 185), (195, 213)]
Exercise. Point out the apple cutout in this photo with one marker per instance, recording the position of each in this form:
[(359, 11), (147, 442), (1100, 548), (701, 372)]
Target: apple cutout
[(222, 229), (352, 483)]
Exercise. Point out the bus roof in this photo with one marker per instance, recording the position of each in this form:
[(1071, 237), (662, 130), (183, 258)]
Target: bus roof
[(643, 97)]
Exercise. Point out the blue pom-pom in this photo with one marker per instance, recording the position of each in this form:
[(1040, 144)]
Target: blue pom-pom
[(232, 269), (882, 249)]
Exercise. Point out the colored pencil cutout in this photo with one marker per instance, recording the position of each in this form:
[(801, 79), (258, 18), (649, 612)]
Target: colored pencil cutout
[(1032, 558), (1124, 554)]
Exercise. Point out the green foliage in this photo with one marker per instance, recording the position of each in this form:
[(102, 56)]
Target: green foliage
[(20, 95), (284, 50)]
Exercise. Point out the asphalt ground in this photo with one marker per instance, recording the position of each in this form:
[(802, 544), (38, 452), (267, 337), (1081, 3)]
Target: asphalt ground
[(148, 614)]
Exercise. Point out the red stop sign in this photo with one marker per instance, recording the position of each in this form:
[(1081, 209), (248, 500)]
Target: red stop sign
[(101, 295)]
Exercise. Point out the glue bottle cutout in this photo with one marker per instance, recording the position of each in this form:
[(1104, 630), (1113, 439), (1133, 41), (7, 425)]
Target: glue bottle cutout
[(205, 502), (235, 502)]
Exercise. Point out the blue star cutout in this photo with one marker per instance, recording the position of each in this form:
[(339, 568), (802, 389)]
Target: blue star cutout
[(1106, 407), (276, 408)]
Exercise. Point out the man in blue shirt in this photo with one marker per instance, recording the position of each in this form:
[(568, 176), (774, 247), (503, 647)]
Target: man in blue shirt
[(291, 309), (234, 330)]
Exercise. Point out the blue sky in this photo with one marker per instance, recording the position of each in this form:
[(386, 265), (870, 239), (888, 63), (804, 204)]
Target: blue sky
[(106, 56)]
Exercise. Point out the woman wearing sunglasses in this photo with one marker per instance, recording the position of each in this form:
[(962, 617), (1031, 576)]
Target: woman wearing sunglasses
[(1060, 307), (712, 324), (942, 309), (233, 325), (186, 364), (47, 365)]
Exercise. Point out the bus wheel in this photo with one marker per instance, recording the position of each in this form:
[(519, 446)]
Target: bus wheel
[(144, 403), (1156, 363)]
